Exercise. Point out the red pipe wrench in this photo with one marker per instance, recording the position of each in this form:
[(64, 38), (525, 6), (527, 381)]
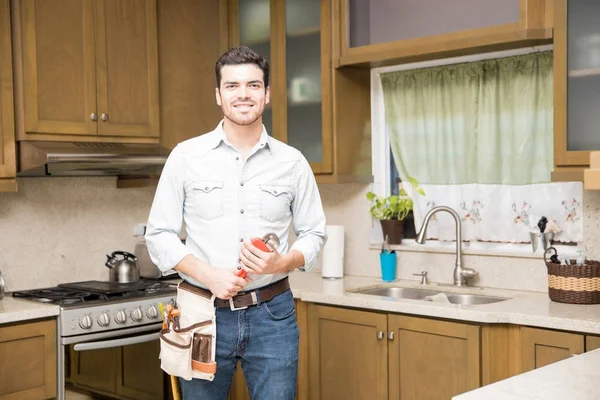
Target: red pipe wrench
[(267, 243)]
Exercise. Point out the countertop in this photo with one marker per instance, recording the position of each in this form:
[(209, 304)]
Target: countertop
[(16, 310), (575, 378), (522, 308)]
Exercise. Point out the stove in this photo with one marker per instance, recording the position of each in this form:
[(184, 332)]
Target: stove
[(99, 315)]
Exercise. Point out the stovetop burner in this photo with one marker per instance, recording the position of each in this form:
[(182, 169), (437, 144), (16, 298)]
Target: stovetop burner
[(94, 291)]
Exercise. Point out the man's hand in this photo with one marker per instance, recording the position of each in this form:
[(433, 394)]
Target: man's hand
[(254, 260), (224, 283)]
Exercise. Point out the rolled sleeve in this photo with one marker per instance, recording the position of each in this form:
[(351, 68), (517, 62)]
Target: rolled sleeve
[(309, 217), (166, 214)]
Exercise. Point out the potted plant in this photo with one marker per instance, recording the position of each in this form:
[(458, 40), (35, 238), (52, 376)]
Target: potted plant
[(393, 210)]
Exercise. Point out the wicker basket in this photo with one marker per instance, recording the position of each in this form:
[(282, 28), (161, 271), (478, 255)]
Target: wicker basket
[(574, 284)]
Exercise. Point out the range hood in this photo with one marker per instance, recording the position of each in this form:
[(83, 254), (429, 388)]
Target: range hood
[(40, 158)]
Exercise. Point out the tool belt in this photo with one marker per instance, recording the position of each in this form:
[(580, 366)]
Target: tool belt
[(188, 337), (244, 300)]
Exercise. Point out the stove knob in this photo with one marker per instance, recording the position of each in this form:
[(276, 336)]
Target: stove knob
[(121, 317), (137, 315), (152, 312), (86, 322), (104, 319)]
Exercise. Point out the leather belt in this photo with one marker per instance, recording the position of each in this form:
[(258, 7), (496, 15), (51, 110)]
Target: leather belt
[(244, 300)]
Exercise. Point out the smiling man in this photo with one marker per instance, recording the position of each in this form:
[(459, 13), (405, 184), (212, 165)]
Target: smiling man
[(229, 186)]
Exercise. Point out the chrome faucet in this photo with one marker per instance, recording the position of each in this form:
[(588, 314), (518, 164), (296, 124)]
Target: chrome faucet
[(461, 275)]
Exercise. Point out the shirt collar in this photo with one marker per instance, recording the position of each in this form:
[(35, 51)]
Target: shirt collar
[(220, 136)]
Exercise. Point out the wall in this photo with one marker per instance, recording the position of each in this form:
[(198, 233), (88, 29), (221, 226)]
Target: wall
[(60, 229)]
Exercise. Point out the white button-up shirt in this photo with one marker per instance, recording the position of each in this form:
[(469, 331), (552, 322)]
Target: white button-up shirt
[(224, 200)]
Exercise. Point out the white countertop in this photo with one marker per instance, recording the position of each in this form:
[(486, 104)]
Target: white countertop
[(16, 310), (523, 308), (575, 378)]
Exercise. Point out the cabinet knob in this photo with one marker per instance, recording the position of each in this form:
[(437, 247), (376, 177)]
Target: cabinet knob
[(391, 335), (104, 117), (94, 117), (380, 335)]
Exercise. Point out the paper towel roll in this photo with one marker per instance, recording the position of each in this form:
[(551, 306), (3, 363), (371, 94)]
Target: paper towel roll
[(333, 252)]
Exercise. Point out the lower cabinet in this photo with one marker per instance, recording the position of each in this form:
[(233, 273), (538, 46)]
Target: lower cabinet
[(541, 347), (28, 360), (129, 372), (361, 354)]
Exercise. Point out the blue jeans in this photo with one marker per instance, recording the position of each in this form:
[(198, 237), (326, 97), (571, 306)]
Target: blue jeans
[(265, 338)]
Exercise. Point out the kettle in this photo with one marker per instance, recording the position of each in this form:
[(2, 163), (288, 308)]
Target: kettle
[(123, 270)]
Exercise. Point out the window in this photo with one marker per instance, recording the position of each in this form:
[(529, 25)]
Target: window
[(477, 133)]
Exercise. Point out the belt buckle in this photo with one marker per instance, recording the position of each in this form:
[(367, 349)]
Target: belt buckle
[(234, 308)]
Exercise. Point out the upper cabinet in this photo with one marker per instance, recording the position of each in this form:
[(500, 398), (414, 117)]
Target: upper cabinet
[(576, 82), (292, 35), (87, 67), (8, 166), (322, 112), (387, 32)]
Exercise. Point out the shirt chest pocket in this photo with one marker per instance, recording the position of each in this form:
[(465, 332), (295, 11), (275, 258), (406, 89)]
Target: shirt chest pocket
[(275, 202), (207, 199)]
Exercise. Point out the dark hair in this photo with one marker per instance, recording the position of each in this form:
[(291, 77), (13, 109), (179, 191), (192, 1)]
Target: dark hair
[(242, 55)]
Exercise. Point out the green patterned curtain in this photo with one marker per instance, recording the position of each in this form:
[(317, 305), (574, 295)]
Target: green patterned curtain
[(487, 122)]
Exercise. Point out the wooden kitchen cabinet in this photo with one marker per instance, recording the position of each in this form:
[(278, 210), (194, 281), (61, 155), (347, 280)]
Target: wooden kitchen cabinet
[(28, 366), (322, 112), (128, 372), (86, 68), (8, 163), (363, 354), (385, 32), (432, 359), (542, 346)]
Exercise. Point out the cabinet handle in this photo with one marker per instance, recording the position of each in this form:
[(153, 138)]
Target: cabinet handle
[(380, 335), (104, 117), (94, 117), (391, 335)]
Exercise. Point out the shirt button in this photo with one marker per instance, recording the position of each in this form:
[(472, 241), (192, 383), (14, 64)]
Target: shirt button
[(241, 239), (206, 188), (241, 211), (237, 158), (241, 183)]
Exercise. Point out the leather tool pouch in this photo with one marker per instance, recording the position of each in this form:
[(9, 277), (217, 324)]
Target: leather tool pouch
[(188, 343)]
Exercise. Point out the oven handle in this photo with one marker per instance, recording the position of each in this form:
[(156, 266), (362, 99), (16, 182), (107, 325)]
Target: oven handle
[(106, 344)]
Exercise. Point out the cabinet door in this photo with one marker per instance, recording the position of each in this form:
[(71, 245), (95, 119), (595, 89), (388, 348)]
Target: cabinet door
[(139, 374), (576, 81), (95, 369), (307, 122), (542, 347), (59, 71), (592, 343), (251, 26), (127, 68), (8, 164), (347, 354), (430, 359), (190, 40), (28, 366)]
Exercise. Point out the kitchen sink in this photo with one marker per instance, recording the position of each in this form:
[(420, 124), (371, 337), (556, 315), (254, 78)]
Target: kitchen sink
[(398, 292), (423, 294)]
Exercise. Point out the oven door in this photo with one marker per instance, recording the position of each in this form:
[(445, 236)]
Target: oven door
[(91, 374)]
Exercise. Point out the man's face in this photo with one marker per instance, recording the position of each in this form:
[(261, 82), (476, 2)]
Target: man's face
[(242, 95)]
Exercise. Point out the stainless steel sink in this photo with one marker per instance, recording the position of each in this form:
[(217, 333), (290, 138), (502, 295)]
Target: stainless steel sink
[(398, 292), (472, 299), (423, 294)]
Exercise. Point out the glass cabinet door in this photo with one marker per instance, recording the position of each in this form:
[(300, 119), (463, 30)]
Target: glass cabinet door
[(583, 75), (303, 77), (254, 24)]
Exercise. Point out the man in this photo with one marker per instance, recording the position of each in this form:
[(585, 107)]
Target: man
[(229, 186)]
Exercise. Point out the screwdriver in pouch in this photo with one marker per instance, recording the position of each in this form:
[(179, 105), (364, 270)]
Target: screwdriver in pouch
[(267, 243)]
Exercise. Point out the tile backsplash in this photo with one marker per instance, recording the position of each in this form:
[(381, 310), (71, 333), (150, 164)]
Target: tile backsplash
[(60, 229)]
